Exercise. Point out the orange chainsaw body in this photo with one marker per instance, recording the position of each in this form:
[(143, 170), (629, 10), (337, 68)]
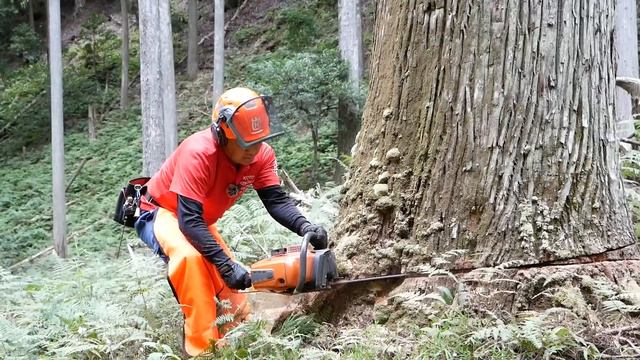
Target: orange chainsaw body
[(282, 271)]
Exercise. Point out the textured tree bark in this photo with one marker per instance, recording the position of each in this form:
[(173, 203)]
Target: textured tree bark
[(490, 127), (153, 137), (124, 76), (192, 40), (57, 130), (218, 49), (626, 52)]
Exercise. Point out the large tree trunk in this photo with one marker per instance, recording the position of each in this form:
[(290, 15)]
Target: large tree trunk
[(626, 46), (153, 146), (489, 127), (192, 39), (218, 49), (57, 130), (124, 77)]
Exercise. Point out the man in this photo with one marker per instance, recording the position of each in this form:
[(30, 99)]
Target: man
[(206, 174)]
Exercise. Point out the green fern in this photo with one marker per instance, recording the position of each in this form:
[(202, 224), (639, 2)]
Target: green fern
[(298, 326)]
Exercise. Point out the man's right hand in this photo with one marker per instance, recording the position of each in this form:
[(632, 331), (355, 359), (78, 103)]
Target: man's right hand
[(235, 275)]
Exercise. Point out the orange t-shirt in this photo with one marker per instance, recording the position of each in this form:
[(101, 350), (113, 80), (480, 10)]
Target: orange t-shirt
[(201, 171)]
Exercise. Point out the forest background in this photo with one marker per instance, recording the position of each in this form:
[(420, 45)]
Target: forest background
[(94, 305)]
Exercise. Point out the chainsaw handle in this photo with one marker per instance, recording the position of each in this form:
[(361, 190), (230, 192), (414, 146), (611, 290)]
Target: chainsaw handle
[(303, 263)]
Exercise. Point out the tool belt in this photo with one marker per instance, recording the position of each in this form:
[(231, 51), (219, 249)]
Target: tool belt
[(128, 204)]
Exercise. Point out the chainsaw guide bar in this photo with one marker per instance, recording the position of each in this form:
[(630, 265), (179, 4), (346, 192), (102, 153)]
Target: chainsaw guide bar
[(294, 269)]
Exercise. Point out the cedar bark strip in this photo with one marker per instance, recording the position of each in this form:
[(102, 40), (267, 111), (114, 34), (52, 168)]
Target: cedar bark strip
[(503, 116)]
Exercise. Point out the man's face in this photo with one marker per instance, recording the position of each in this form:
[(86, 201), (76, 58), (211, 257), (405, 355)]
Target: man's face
[(239, 155)]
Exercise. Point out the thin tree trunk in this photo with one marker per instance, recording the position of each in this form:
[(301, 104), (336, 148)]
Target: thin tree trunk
[(316, 161), (493, 123), (32, 21), (218, 49), (77, 6), (350, 41), (168, 84), (348, 126), (57, 130), (92, 122), (192, 51), (153, 144), (626, 48), (124, 77), (351, 38)]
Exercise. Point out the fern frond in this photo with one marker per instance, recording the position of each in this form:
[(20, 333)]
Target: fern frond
[(224, 319), (298, 326)]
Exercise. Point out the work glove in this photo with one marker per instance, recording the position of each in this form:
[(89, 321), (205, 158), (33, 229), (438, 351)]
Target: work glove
[(235, 275), (318, 237)]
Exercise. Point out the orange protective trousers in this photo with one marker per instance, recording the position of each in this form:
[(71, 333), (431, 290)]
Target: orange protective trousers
[(195, 283)]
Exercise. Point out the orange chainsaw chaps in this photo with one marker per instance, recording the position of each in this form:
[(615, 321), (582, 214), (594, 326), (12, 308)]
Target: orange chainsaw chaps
[(195, 282)]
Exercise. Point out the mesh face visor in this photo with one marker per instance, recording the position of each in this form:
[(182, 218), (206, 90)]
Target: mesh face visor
[(255, 121)]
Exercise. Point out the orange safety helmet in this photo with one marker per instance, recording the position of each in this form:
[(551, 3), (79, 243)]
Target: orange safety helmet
[(241, 114)]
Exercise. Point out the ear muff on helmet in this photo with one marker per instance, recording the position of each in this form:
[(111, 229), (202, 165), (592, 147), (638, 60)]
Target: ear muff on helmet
[(222, 125), (250, 122)]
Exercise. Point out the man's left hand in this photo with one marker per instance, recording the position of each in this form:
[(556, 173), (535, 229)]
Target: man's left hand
[(318, 238)]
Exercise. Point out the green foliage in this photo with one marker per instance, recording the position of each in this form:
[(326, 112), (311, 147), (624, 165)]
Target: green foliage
[(306, 88), (251, 340), (25, 43), (252, 232), (241, 36), (300, 27), (9, 9), (91, 77), (97, 51), (68, 314), (112, 158), (24, 108)]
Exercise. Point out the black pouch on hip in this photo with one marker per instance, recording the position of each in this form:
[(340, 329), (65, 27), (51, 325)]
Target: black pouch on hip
[(128, 204)]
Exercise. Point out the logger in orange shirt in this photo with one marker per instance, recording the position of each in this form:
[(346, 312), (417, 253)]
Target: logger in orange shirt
[(203, 178)]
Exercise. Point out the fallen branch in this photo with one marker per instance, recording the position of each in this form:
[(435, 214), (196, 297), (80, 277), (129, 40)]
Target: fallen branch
[(84, 161), (235, 15), (15, 118), (630, 85), (289, 183), (629, 141), (226, 26), (50, 248), (622, 329)]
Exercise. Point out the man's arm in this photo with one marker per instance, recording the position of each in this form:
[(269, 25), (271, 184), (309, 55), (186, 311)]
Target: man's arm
[(281, 207), (194, 228)]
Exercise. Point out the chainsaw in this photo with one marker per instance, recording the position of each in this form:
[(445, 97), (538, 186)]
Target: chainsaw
[(296, 269)]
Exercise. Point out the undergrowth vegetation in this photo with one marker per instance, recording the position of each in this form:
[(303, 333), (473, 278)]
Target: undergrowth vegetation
[(96, 306)]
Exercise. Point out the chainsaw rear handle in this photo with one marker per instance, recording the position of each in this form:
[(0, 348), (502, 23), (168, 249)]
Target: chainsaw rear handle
[(303, 263)]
